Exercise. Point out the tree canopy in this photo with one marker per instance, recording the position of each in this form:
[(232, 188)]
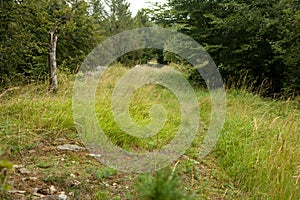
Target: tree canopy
[(80, 26), (258, 39)]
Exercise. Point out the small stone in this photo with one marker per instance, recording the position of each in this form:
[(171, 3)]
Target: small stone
[(18, 166), (75, 183), (70, 147), (52, 189), (32, 178), (38, 194), (94, 155), (29, 179), (115, 184), (62, 196), (34, 190), (17, 191), (44, 191), (73, 175), (31, 151), (24, 171), (71, 194)]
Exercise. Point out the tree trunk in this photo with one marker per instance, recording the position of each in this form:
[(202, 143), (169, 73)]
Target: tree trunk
[(52, 61)]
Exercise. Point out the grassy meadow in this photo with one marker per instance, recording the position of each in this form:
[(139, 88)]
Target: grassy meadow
[(256, 157)]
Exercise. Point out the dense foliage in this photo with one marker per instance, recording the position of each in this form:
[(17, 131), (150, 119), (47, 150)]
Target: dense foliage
[(80, 25), (259, 39)]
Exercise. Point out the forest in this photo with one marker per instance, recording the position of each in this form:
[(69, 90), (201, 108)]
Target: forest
[(255, 46), (255, 39)]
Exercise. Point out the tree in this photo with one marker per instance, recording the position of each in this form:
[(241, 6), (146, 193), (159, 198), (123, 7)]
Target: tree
[(59, 12), (118, 17), (24, 48), (256, 38), (79, 36), (16, 42), (52, 61), (97, 10)]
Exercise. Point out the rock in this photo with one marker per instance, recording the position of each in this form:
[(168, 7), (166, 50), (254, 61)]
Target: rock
[(41, 196), (29, 179), (73, 175), (44, 191), (53, 190), (18, 166), (70, 147), (31, 151), (76, 183), (24, 171), (17, 191), (71, 194), (34, 190), (62, 196), (94, 155)]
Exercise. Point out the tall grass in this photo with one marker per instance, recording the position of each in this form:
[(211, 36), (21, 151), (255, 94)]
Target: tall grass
[(31, 115), (141, 102), (259, 147)]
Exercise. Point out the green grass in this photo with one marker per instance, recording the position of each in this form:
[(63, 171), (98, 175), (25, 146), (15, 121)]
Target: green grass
[(260, 145), (31, 114), (256, 157), (142, 100)]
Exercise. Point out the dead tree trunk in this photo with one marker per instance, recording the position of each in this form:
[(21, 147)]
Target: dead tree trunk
[(52, 61)]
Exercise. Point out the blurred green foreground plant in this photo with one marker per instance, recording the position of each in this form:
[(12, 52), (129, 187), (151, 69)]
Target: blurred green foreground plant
[(165, 185), (5, 166)]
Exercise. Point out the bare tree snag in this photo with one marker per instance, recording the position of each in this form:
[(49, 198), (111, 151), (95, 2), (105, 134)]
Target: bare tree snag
[(52, 61)]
